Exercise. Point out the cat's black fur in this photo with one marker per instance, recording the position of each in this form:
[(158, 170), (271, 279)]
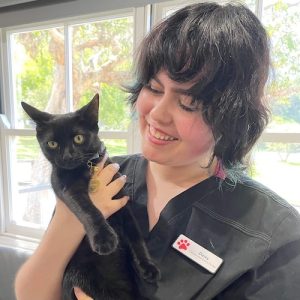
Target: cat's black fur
[(113, 256)]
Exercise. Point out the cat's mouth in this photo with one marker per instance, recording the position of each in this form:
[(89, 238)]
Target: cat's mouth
[(69, 164), (75, 162)]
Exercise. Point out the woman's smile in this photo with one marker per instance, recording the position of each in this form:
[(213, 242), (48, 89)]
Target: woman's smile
[(159, 137)]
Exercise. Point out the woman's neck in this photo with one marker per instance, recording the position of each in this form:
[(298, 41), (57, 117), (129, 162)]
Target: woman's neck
[(165, 182), (181, 175)]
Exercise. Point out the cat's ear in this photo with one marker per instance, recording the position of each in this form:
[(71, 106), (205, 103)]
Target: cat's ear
[(39, 117), (91, 110)]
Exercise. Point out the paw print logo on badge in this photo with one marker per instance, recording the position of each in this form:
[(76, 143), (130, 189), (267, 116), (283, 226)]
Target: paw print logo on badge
[(198, 254), (183, 244)]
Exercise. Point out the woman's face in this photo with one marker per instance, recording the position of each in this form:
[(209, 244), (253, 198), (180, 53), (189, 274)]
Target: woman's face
[(173, 130)]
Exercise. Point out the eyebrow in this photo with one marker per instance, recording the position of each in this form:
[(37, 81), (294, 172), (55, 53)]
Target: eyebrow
[(176, 90)]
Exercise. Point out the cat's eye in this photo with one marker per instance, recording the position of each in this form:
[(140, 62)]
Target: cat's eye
[(79, 139), (52, 144)]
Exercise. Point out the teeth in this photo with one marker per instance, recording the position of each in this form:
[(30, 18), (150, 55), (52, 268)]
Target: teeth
[(160, 136)]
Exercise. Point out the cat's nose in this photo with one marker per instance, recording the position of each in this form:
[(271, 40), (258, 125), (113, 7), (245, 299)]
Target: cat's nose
[(67, 155)]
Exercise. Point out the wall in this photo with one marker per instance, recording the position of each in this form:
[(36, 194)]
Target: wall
[(56, 9)]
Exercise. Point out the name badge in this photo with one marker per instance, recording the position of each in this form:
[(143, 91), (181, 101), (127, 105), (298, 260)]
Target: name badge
[(198, 254)]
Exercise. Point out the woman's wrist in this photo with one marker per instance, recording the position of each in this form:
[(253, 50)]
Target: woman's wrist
[(67, 218)]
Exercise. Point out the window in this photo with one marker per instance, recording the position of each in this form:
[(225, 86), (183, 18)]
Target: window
[(58, 68), (277, 156)]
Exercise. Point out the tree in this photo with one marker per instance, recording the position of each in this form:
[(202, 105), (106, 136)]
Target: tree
[(282, 22), (101, 61)]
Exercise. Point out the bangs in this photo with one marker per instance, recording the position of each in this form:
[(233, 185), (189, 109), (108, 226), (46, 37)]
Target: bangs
[(186, 45)]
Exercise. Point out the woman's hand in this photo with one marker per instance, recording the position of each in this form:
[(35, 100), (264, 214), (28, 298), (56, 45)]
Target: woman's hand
[(104, 189), (80, 295)]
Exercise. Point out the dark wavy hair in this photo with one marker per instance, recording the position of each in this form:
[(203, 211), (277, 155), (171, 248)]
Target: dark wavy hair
[(225, 48)]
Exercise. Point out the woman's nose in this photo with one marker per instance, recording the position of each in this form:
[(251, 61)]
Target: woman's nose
[(162, 110)]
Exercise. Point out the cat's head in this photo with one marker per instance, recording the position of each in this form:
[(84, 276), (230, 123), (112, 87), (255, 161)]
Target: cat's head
[(68, 140)]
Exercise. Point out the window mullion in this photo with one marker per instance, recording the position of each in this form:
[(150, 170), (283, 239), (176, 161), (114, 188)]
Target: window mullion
[(259, 8), (6, 158), (68, 67), (142, 16)]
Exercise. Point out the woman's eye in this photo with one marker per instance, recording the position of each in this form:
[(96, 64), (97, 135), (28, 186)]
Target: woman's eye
[(52, 144), (188, 108), (187, 104), (78, 139), (152, 89)]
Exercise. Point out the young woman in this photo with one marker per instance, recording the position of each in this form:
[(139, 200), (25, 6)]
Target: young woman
[(199, 97)]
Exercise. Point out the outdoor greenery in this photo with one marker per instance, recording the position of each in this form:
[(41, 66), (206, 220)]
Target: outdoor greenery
[(282, 20), (101, 63)]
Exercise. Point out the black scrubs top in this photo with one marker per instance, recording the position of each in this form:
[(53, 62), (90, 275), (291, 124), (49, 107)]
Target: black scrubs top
[(254, 231)]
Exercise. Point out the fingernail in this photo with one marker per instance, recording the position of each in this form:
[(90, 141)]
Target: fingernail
[(115, 166), (125, 200), (124, 177)]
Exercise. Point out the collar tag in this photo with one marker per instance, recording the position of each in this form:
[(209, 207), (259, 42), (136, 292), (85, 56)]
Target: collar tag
[(198, 254)]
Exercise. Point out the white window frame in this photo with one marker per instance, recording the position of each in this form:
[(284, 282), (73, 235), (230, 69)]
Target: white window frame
[(16, 235)]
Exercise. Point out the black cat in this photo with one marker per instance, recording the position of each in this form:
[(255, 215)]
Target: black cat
[(112, 257)]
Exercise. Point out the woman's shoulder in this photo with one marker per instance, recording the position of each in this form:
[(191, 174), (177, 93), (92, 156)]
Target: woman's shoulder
[(261, 231), (257, 194), (251, 186), (265, 210)]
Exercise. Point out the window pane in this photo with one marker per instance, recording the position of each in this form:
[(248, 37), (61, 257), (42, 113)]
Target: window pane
[(33, 200), (102, 59), (282, 20), (38, 71), (115, 147), (277, 165), (251, 4)]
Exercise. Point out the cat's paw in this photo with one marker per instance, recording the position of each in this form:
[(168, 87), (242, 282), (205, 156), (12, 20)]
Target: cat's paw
[(104, 242), (149, 271)]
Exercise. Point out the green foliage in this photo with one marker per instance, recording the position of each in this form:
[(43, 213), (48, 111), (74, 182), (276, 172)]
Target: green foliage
[(104, 41), (114, 112), (35, 82), (287, 111), (27, 148), (116, 147), (252, 170), (102, 54), (282, 22)]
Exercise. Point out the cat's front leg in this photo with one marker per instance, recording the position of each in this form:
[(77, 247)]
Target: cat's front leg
[(144, 265), (102, 237)]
